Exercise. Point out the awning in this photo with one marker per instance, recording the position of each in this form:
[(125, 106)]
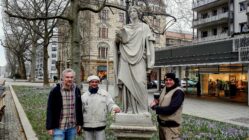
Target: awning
[(101, 68)]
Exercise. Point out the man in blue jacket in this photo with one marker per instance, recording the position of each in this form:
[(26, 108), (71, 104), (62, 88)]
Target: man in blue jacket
[(64, 109)]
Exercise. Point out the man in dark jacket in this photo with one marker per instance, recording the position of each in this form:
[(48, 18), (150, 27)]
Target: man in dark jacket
[(169, 109), (64, 109)]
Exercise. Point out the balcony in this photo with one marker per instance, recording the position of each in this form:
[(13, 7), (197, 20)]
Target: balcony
[(206, 4), (211, 20), (211, 38)]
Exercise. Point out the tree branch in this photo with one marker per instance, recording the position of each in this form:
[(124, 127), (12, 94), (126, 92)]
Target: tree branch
[(36, 18)]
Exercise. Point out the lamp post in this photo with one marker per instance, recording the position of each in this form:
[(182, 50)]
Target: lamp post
[(107, 71), (126, 12)]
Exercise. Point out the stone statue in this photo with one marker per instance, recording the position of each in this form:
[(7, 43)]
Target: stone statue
[(134, 53)]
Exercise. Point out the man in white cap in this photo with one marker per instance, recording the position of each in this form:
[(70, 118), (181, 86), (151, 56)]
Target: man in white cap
[(96, 103)]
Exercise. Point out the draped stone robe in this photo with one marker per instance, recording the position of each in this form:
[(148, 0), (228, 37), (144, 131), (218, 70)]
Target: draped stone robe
[(132, 56)]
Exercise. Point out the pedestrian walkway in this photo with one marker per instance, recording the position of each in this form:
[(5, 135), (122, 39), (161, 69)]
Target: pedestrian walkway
[(218, 110), (11, 128)]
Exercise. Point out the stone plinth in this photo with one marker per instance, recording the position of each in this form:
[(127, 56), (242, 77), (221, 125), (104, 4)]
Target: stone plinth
[(133, 126)]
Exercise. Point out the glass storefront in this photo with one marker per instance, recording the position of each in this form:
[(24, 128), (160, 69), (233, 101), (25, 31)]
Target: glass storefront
[(229, 82), (233, 86)]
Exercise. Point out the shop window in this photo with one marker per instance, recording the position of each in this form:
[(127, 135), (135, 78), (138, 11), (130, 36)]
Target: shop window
[(102, 72)]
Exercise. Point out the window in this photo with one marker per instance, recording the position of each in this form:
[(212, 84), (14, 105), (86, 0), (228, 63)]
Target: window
[(103, 52), (224, 29), (103, 32), (243, 27), (204, 34), (53, 61), (53, 68), (204, 15), (215, 31), (121, 17), (242, 6), (224, 9), (104, 14), (54, 48), (157, 38), (214, 12), (157, 23), (53, 55)]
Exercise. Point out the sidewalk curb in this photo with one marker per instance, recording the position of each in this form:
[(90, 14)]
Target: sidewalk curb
[(28, 130)]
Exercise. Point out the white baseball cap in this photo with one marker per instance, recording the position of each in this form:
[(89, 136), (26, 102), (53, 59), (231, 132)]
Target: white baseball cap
[(92, 77)]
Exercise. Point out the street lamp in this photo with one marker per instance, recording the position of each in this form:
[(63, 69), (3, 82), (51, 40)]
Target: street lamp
[(107, 70)]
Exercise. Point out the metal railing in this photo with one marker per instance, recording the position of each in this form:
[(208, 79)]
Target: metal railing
[(211, 38), (244, 54), (197, 22), (199, 3)]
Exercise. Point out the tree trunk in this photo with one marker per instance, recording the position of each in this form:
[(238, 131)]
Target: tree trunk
[(22, 69), (75, 42), (33, 61), (45, 55), (45, 63)]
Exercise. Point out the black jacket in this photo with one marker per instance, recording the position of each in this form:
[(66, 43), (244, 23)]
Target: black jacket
[(54, 108)]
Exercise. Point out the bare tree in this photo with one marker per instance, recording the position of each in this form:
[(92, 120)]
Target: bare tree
[(73, 8), (38, 14), (11, 62), (181, 9), (17, 42)]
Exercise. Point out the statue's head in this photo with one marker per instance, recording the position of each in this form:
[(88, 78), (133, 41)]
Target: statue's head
[(138, 9)]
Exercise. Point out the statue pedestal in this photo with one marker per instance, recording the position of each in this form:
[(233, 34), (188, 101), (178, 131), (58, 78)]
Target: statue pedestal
[(133, 126)]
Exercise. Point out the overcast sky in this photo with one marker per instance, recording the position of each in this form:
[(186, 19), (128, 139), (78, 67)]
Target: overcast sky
[(2, 55)]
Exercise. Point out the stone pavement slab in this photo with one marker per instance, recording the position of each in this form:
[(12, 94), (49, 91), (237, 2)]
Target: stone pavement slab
[(218, 110), (11, 128)]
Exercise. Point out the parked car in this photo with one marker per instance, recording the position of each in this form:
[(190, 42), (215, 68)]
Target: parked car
[(154, 84), (162, 84), (191, 83)]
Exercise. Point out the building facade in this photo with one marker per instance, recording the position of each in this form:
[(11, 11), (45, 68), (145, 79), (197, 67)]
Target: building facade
[(218, 57), (97, 31), (176, 39), (52, 53)]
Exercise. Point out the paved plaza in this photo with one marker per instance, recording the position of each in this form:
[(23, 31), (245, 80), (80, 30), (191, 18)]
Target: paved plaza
[(213, 109)]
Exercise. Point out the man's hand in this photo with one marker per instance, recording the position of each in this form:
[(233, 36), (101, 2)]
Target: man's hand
[(117, 110), (154, 103), (51, 132), (78, 129)]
